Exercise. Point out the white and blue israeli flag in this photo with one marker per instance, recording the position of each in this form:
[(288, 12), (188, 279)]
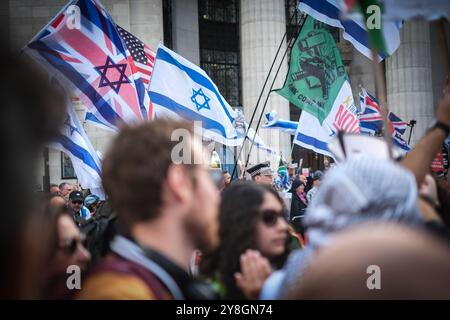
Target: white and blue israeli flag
[(74, 142), (181, 90), (274, 122)]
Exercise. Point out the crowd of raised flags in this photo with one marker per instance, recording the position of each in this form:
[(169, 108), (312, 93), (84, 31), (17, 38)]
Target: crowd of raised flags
[(121, 80)]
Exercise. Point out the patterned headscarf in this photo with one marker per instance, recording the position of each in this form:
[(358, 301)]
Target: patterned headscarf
[(359, 190)]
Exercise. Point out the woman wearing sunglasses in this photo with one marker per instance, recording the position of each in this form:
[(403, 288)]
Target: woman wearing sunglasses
[(68, 251), (253, 230)]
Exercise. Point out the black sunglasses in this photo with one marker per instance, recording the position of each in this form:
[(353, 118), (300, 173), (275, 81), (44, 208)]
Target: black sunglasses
[(72, 245), (77, 202), (270, 217)]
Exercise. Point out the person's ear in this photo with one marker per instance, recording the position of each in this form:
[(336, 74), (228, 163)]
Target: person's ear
[(178, 183)]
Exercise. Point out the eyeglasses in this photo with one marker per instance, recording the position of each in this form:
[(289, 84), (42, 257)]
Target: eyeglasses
[(77, 202), (270, 217), (71, 245)]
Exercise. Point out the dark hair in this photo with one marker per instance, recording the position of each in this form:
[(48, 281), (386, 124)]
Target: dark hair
[(32, 112), (443, 193), (238, 217), (135, 168), (62, 185), (297, 183), (55, 212)]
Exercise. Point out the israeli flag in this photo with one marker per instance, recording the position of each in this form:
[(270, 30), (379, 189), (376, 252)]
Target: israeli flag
[(181, 90), (330, 12), (75, 143), (274, 122)]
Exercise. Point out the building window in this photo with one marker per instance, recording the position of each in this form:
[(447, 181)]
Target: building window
[(218, 10), (67, 170), (167, 23), (219, 46)]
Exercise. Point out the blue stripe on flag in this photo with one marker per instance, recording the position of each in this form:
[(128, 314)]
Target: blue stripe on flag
[(141, 92), (77, 79), (194, 75), (351, 27), (312, 141), (185, 112), (284, 125), (93, 15), (78, 152)]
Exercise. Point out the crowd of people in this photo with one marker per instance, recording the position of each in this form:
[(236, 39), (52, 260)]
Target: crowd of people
[(170, 231)]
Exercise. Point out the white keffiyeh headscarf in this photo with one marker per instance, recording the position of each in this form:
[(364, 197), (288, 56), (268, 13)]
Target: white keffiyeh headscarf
[(359, 190)]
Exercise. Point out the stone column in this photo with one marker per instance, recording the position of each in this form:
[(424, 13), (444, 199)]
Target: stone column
[(408, 78), (146, 21), (263, 24), (361, 73), (185, 29)]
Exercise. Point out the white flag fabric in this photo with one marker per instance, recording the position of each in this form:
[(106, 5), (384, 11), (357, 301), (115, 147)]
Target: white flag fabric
[(181, 90), (342, 117), (355, 31), (74, 142), (410, 9), (274, 122)]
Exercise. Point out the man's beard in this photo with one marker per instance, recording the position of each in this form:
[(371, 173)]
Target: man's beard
[(198, 233)]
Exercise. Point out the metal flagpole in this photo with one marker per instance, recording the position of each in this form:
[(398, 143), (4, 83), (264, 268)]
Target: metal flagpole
[(289, 46), (261, 93), (411, 125), (380, 88)]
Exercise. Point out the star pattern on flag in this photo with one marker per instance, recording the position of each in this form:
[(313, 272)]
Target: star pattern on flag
[(105, 81), (200, 105), (69, 125), (135, 46)]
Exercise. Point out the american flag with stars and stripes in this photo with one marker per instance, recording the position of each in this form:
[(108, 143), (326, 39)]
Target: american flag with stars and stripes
[(106, 67), (143, 56)]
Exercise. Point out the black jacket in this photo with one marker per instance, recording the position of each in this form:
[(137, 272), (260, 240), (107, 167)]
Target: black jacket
[(297, 206)]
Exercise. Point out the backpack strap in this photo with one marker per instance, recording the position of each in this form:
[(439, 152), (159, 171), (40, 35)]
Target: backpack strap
[(117, 264)]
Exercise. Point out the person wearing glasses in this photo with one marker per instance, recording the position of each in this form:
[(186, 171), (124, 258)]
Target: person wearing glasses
[(79, 212), (68, 250), (252, 230)]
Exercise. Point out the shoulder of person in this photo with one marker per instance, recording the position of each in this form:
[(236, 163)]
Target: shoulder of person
[(112, 285), (118, 278)]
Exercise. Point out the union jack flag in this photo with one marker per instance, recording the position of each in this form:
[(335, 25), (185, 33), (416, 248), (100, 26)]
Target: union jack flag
[(371, 120), (101, 62)]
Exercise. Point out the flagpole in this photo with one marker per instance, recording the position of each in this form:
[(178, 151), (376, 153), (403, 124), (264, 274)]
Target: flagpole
[(51, 21), (261, 93), (444, 44), (380, 88), (412, 123), (289, 46)]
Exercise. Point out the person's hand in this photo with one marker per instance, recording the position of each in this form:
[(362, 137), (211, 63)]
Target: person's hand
[(255, 269), (428, 189), (443, 110)]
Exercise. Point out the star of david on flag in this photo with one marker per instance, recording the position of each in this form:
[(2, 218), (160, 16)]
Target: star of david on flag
[(96, 64), (195, 100), (117, 74), (181, 90)]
